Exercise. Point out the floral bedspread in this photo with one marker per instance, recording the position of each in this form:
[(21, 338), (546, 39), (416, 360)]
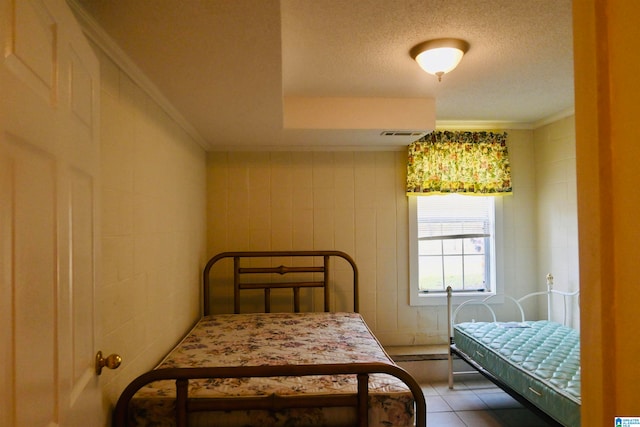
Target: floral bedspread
[(277, 339)]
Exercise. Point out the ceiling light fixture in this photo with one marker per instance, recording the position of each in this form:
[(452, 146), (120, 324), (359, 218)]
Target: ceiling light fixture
[(439, 56)]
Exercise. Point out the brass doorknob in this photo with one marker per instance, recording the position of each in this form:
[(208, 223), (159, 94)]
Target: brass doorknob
[(112, 362)]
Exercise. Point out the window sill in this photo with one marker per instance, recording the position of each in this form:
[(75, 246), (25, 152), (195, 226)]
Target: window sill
[(440, 299)]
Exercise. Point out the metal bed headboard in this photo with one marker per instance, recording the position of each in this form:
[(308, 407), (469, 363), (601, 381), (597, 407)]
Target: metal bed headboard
[(518, 302), (239, 271)]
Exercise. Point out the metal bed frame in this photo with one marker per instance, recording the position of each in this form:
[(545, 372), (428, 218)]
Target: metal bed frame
[(239, 271), (478, 368), (184, 404)]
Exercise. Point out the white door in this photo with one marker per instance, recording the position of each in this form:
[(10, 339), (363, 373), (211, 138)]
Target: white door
[(49, 187)]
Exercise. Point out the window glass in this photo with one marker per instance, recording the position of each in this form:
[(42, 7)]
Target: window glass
[(453, 241)]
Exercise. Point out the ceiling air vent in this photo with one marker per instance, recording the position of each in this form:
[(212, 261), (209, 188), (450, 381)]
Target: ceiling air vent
[(416, 133)]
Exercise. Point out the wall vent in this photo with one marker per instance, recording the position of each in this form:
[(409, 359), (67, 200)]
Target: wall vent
[(417, 133)]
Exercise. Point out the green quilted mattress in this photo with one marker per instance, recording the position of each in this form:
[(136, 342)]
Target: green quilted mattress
[(540, 360)]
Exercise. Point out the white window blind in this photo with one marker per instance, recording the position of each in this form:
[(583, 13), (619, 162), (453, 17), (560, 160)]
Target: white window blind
[(453, 216)]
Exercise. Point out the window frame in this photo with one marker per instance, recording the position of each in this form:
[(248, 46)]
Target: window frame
[(417, 298)]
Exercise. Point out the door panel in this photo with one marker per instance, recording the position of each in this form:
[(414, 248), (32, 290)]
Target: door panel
[(49, 186), (32, 46), (82, 271), (33, 285)]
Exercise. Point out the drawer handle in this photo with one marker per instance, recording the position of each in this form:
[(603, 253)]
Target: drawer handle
[(536, 392)]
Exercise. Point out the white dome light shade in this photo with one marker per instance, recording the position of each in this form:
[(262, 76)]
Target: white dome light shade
[(439, 60), (439, 56)]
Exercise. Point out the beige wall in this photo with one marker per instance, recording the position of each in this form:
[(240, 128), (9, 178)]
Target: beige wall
[(153, 227), (356, 202), (557, 209)]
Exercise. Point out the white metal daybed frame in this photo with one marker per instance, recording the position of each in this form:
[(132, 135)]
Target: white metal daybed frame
[(485, 302)]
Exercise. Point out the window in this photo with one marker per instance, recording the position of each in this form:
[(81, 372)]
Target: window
[(452, 240)]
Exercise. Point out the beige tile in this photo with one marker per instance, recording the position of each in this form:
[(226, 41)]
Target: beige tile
[(442, 387), (480, 418), (448, 419), (519, 418), (437, 404), (428, 391), (464, 401), (498, 400)]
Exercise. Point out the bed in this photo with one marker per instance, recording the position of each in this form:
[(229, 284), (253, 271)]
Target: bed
[(275, 368), (536, 362)]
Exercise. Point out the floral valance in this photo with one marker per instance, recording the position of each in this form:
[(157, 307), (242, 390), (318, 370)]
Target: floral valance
[(459, 162)]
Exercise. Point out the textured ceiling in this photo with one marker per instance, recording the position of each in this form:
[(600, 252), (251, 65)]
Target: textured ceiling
[(227, 65)]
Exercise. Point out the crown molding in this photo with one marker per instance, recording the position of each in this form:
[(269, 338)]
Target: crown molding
[(94, 32), (502, 125), (481, 125), (555, 117)]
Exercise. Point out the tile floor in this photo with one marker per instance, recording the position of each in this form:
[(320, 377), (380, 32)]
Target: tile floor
[(475, 402)]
